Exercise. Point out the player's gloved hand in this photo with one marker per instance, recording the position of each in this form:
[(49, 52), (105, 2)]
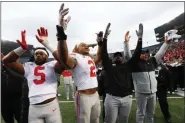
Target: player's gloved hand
[(42, 36), (62, 13), (62, 27), (23, 41), (140, 32)]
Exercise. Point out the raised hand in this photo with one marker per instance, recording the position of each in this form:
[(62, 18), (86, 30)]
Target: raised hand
[(42, 36), (23, 40), (100, 35), (127, 37), (99, 38), (107, 31), (62, 13), (140, 32)]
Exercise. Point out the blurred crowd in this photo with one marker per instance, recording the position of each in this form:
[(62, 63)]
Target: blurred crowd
[(175, 54)]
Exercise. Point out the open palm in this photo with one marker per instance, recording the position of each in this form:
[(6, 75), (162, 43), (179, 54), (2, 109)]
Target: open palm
[(127, 37)]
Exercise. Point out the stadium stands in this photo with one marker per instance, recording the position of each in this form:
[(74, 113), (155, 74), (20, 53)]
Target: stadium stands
[(176, 23), (7, 46)]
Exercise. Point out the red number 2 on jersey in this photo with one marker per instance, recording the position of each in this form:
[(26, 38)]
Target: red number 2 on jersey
[(92, 68), (42, 75)]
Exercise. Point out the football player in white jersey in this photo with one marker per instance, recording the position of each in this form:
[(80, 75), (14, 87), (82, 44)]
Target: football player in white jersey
[(41, 77), (83, 69)]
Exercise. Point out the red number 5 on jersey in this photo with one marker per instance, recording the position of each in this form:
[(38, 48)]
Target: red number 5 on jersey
[(92, 68), (42, 75)]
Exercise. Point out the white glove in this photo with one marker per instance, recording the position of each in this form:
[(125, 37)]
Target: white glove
[(62, 13)]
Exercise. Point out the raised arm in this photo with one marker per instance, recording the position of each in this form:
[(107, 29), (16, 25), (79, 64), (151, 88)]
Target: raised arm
[(161, 52), (62, 37), (99, 40), (106, 61), (169, 36), (14, 55), (11, 58), (127, 52), (42, 37), (136, 56)]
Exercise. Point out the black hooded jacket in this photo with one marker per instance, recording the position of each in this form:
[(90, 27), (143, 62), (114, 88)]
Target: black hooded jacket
[(11, 82), (118, 76)]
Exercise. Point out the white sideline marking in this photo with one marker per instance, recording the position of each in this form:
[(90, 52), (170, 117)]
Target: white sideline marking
[(132, 99), (60, 86)]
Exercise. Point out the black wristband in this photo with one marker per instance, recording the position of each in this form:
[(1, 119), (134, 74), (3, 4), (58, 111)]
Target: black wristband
[(139, 39), (61, 37), (60, 33)]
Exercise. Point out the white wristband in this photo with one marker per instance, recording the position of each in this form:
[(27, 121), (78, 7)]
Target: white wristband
[(48, 47), (19, 51)]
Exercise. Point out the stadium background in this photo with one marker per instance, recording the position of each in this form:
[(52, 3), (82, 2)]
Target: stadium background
[(176, 23), (67, 107)]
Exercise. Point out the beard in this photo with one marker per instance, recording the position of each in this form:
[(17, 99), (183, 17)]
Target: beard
[(40, 62), (118, 60)]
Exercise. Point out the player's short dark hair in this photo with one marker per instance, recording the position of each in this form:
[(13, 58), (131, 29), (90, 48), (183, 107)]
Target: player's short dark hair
[(42, 48)]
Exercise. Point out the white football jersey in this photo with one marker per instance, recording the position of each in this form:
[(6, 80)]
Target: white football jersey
[(42, 81), (84, 72)]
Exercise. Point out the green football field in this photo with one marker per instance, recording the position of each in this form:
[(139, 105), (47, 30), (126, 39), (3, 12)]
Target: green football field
[(176, 106)]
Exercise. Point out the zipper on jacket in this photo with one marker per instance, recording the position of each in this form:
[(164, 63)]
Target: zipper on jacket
[(150, 82), (148, 75)]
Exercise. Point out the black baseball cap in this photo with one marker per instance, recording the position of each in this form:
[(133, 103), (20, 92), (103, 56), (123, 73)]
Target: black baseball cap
[(118, 54), (144, 51)]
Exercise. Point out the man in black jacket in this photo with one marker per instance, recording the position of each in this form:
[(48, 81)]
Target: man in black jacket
[(118, 99), (162, 76), (14, 98), (24, 102), (11, 92)]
